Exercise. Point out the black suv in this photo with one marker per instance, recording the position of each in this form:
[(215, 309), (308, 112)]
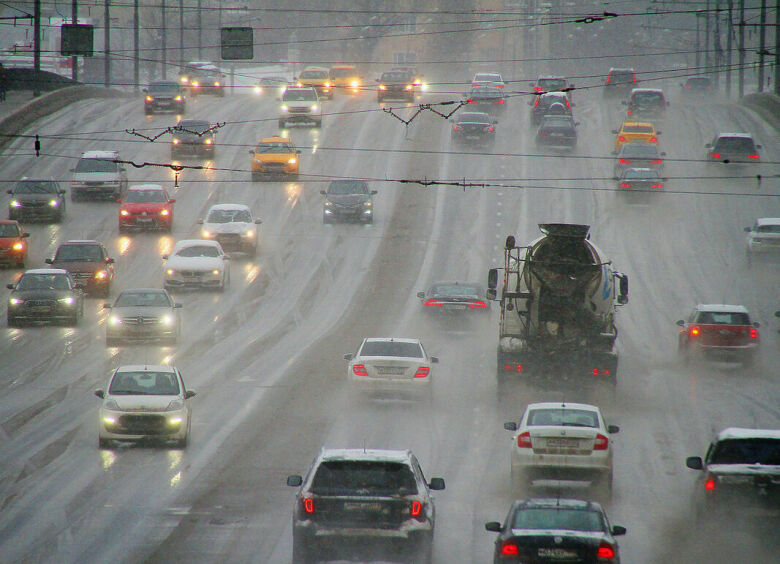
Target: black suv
[(556, 530), (88, 263), (193, 137), (164, 96), (557, 131), (37, 199), (740, 476), (348, 199), (733, 148), (549, 103), (355, 498), (45, 295), (395, 84)]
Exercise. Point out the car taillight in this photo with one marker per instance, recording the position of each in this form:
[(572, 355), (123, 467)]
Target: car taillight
[(715, 155), (687, 86), (478, 304), (567, 103), (524, 440), (709, 485), (656, 161), (607, 80), (416, 510), (624, 161), (601, 372), (656, 185), (625, 185), (601, 442), (456, 128), (754, 333), (474, 85), (433, 303), (509, 549), (359, 370), (538, 89), (422, 372), (694, 332), (513, 367), (536, 103), (470, 101), (498, 102), (629, 112), (621, 138), (491, 128), (753, 156), (634, 78), (654, 140), (606, 551), (308, 504)]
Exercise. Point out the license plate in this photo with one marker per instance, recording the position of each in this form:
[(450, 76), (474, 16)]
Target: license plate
[(557, 553), (472, 136), (563, 443), (358, 506), (41, 309), (395, 370), (451, 307)]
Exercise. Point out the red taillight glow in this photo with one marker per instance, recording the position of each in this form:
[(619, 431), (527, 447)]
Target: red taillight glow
[(694, 332), (536, 103), (416, 508), (654, 140), (470, 101), (601, 442), (607, 80), (656, 185), (753, 156), (656, 161), (629, 112), (715, 155), (625, 185), (605, 551), (474, 85), (687, 86), (567, 103), (635, 79), (753, 333), (538, 89), (601, 372), (622, 138), (524, 440), (308, 505), (433, 303), (709, 485), (359, 370), (478, 304), (456, 128), (499, 101), (422, 372), (509, 549), (513, 367), (491, 128), (624, 161)]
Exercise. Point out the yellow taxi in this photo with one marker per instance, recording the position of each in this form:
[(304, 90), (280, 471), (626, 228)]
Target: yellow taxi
[(635, 132), (275, 156), (318, 78), (345, 78)]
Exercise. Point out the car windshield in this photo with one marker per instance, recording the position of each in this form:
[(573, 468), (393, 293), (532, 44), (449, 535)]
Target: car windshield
[(35, 187), (314, 74), (169, 88), (647, 99), (366, 478), (146, 196), (469, 290), (564, 417), (741, 144), (395, 77), (768, 229), (229, 216), (9, 230), (723, 318), (343, 73), (142, 299), (299, 96), (552, 83), (274, 148), (273, 81), (638, 174), (699, 82), (557, 518), (198, 251), (97, 165), (348, 187), (392, 348), (144, 383), (474, 117), (43, 282), (747, 451), (638, 129), (68, 253), (193, 126), (646, 150)]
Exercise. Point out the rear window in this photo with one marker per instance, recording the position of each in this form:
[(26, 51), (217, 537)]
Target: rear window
[(739, 144), (646, 150), (366, 478), (314, 74), (96, 165), (637, 129), (723, 318), (564, 417), (746, 451), (647, 99), (552, 83), (467, 290), (635, 174), (620, 77), (391, 348), (768, 229), (473, 117), (557, 518)]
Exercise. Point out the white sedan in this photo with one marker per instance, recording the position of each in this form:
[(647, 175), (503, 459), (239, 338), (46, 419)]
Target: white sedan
[(145, 402), (232, 226), (562, 441), (196, 263), (763, 237), (388, 366)]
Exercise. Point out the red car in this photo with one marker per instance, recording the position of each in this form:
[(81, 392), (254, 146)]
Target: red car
[(723, 332), (13, 247), (145, 207)]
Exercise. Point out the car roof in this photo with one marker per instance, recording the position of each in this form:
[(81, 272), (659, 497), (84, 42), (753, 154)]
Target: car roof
[(654, 90), (559, 502), (645, 147), (487, 74), (722, 308), (315, 69), (198, 63), (9, 222), (365, 454), (768, 221), (562, 405), (46, 271), (81, 242), (390, 339), (199, 242), (475, 115), (454, 283), (229, 207), (306, 88), (164, 83), (344, 67), (139, 187), (741, 135), (633, 123), (100, 155), (276, 139), (145, 367), (144, 291), (742, 433), (621, 69)]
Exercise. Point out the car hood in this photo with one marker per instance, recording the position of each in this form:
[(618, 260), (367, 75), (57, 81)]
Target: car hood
[(141, 403), (300, 104), (348, 199), (79, 265), (96, 176), (41, 294), (137, 311), (194, 263), (35, 197), (231, 227)]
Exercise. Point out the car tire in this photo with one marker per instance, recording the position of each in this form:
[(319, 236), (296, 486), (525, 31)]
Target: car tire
[(184, 441), (74, 196), (104, 443), (424, 551), (105, 291), (301, 553), (282, 123), (112, 342), (252, 251), (20, 264), (13, 322), (255, 177), (318, 123)]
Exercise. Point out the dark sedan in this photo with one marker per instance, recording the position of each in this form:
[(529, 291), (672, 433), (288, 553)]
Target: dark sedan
[(37, 200), (164, 96), (489, 99), (640, 179), (557, 131), (474, 127), (45, 295), (696, 85), (556, 530), (638, 155), (394, 85), (193, 137), (147, 314), (348, 200), (454, 298)]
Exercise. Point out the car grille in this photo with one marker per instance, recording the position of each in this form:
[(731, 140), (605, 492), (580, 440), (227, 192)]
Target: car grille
[(40, 303), (143, 424), (228, 239), (32, 204), (273, 166), (140, 320), (81, 276), (303, 110)]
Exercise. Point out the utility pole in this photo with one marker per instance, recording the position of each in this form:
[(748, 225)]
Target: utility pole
[(741, 48), (761, 46), (37, 49), (107, 45), (181, 34), (136, 77), (698, 42), (74, 61), (729, 32), (200, 33), (707, 53), (777, 47), (716, 44), (165, 41)]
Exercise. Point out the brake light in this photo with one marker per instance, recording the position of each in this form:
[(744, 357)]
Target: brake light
[(470, 101), (536, 103), (625, 185), (687, 86), (567, 103), (308, 504), (524, 440), (605, 551), (433, 303), (478, 304), (715, 155), (359, 370), (513, 367), (543, 133), (754, 333), (624, 161), (709, 485), (654, 140), (601, 372), (416, 508), (538, 89), (629, 112), (474, 85), (753, 156), (601, 442), (509, 549), (456, 128), (634, 77), (656, 185), (491, 128), (607, 80), (422, 372), (622, 138), (498, 102), (694, 331), (656, 161)]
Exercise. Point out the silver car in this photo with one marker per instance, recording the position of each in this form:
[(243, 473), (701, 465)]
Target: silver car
[(143, 315)]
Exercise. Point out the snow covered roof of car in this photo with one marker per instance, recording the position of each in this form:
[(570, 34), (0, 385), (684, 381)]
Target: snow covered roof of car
[(145, 367), (561, 405), (365, 454), (100, 155), (741, 433), (724, 308), (229, 207), (196, 242), (388, 339), (81, 242), (46, 271), (741, 135), (768, 221)]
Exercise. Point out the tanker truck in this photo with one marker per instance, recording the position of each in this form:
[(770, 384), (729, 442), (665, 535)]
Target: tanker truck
[(558, 301)]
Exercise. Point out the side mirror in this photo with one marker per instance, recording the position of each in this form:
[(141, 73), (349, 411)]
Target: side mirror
[(509, 243), (421, 295), (72, 170), (612, 429), (694, 462), (436, 484), (294, 481), (494, 122), (617, 530), (145, 90), (61, 192), (493, 526), (756, 324), (106, 306), (100, 393), (663, 153), (109, 260), (658, 133), (510, 426), (189, 394), (615, 178), (165, 257), (9, 286), (251, 152), (48, 261), (322, 192), (623, 289), (172, 201), (777, 313), (435, 359), (624, 103), (25, 235), (9, 191), (298, 152), (492, 278), (177, 306), (258, 221), (374, 192), (348, 356), (200, 222), (708, 145), (576, 123), (614, 152), (614, 131), (680, 322), (226, 256), (758, 146)]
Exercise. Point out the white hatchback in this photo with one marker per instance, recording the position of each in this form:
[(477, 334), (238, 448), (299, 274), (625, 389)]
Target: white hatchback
[(196, 263), (389, 366), (232, 226), (763, 237), (562, 441)]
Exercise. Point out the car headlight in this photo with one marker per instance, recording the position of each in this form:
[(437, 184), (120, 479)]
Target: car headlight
[(174, 405), (216, 272), (382, 87), (205, 234), (54, 203), (101, 275), (314, 107), (285, 108), (15, 301), (195, 84), (292, 160), (15, 204), (175, 420), (166, 320), (209, 141), (67, 301), (164, 212), (184, 80), (175, 141), (170, 272), (367, 204), (355, 84), (149, 98), (408, 86), (115, 320), (18, 246), (249, 233), (328, 204), (124, 213), (299, 84), (111, 404), (179, 98), (258, 89), (327, 85)]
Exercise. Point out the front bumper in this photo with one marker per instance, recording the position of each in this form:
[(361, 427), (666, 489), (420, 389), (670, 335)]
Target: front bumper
[(142, 222), (261, 167), (42, 310), (193, 279), (12, 256), (192, 148), (165, 106), (348, 213), (42, 211), (136, 425)]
